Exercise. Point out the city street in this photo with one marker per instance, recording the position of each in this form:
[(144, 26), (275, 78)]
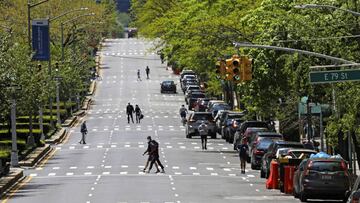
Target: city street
[(109, 167)]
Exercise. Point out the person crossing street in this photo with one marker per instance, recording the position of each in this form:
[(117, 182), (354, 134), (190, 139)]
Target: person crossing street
[(153, 151), (243, 154), (129, 111), (147, 70), (183, 111), (137, 113), (83, 130), (203, 131), (138, 75)]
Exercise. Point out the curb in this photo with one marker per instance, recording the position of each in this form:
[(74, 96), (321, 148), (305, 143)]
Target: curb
[(8, 181), (37, 155), (59, 135)]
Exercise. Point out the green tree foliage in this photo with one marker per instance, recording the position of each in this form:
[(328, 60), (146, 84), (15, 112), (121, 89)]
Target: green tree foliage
[(195, 33)]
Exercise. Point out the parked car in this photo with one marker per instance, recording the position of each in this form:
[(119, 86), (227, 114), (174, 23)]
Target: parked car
[(271, 154), (257, 134), (221, 106), (219, 119), (168, 86), (201, 104), (258, 152), (249, 135), (189, 77), (322, 178), (186, 83), (230, 127), (192, 89), (195, 120), (186, 72), (212, 102), (193, 98)]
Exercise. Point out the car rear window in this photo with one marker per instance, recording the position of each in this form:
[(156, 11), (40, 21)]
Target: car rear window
[(202, 117), (264, 144), (197, 95), (325, 166), (291, 146), (257, 124)]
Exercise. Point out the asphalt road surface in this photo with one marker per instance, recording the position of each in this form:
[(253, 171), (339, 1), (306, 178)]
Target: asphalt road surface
[(108, 168)]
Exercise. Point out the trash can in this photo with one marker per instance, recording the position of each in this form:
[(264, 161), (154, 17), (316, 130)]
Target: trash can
[(273, 181), (288, 179)]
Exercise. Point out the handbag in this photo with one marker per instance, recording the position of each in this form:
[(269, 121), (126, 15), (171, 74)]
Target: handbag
[(141, 116)]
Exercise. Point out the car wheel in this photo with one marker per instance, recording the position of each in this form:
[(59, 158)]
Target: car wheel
[(262, 174), (303, 197)]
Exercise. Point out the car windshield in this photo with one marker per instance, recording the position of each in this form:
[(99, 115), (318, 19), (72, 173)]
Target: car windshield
[(270, 136), (325, 166), (194, 88), (202, 117), (296, 146), (222, 106), (168, 82)]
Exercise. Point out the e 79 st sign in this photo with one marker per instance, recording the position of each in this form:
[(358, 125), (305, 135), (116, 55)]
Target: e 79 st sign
[(334, 76)]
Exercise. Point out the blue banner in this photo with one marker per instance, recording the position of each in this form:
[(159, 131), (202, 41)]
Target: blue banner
[(41, 39)]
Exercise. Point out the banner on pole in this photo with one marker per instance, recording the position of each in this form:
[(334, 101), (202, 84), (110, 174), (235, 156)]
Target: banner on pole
[(41, 39)]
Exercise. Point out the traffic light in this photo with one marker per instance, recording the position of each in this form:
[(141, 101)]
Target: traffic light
[(220, 68), (246, 64), (236, 66)]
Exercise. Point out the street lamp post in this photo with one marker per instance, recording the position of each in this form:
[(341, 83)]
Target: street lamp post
[(305, 6), (62, 33), (58, 78)]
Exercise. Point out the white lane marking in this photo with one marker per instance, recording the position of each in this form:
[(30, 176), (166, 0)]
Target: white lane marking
[(85, 147), (123, 173), (178, 173), (113, 146), (227, 169), (232, 174), (99, 146), (51, 174), (175, 167), (73, 167), (214, 174), (39, 169), (192, 168), (87, 173), (124, 166), (210, 169), (107, 167), (106, 173), (182, 147), (72, 147), (90, 167), (69, 174), (196, 174), (56, 168), (33, 175), (251, 176)]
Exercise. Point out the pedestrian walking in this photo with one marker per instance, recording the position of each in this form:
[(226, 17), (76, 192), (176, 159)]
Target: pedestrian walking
[(83, 130), (183, 111), (137, 113), (129, 112), (147, 70), (203, 131), (148, 150), (243, 154), (153, 151), (138, 75)]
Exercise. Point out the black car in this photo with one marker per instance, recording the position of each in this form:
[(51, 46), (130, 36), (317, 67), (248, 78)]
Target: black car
[(229, 127), (271, 154), (322, 178), (194, 97), (168, 86), (258, 151)]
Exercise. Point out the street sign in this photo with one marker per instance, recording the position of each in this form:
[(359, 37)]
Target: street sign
[(41, 39), (334, 76)]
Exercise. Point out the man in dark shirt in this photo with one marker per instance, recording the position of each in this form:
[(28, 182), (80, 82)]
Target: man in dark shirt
[(153, 151), (129, 111), (243, 154)]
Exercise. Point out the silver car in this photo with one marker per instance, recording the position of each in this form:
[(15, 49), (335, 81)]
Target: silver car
[(195, 119)]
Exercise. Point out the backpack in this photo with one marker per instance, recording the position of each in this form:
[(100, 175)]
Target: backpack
[(153, 146)]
